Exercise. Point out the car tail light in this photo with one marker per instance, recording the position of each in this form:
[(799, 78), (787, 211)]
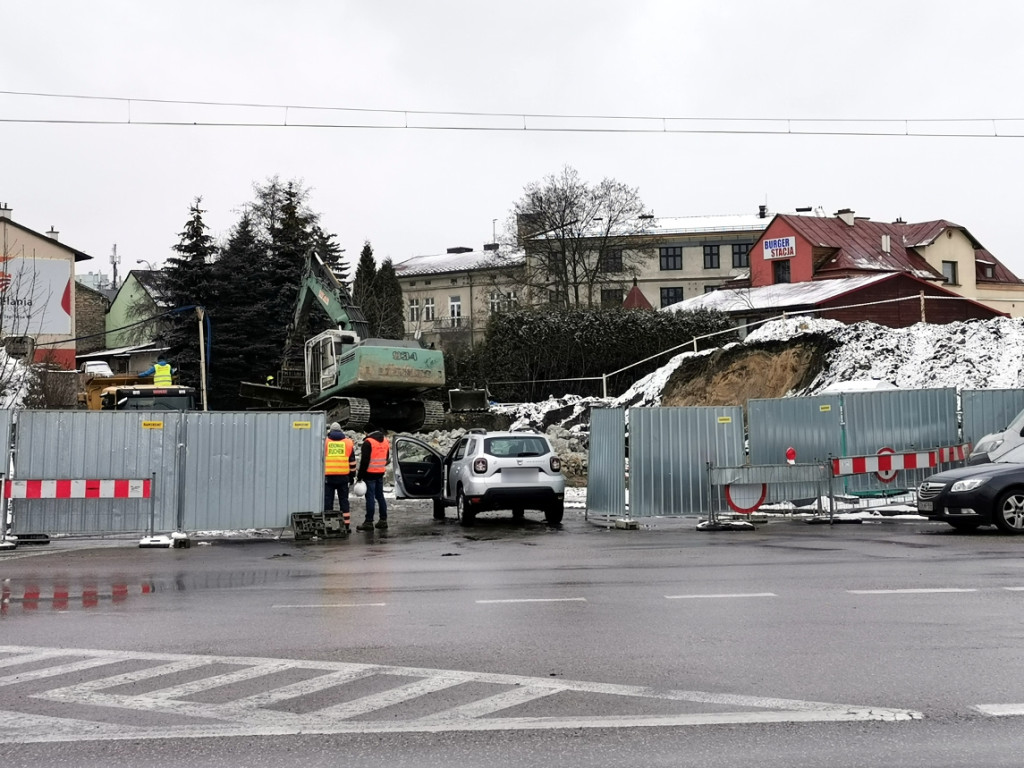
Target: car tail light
[(480, 466), (556, 464)]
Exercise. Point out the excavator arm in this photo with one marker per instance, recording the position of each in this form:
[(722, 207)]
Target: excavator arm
[(318, 285)]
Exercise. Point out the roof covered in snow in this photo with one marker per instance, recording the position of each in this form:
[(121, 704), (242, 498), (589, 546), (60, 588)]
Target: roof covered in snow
[(438, 264)]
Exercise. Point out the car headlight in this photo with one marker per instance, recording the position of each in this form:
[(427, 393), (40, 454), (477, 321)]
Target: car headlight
[(967, 485)]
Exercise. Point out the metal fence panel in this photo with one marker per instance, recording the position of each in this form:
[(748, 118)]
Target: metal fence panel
[(812, 426), (252, 470), (901, 421), (988, 410), (82, 445), (669, 449), (606, 476)]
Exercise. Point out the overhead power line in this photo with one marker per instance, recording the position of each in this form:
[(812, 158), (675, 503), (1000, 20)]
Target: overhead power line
[(439, 120)]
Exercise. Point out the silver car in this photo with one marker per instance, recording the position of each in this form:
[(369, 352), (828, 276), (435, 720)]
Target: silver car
[(483, 471)]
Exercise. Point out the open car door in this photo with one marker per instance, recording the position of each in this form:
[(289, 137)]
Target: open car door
[(418, 469)]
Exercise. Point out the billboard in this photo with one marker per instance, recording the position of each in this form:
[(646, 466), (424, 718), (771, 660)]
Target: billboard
[(35, 296)]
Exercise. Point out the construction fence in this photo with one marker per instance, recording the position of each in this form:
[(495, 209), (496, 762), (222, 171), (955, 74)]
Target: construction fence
[(692, 460), (102, 472)]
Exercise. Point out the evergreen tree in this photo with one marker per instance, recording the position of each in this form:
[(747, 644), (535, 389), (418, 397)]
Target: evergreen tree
[(330, 252), (242, 330), (186, 282), (364, 288), (391, 306)]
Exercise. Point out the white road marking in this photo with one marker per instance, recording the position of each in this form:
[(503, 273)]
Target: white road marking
[(537, 600), (251, 715), (332, 605), (1001, 710), (926, 591), (703, 597), (1014, 589)]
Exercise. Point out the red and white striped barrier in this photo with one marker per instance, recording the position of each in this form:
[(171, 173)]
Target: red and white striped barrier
[(78, 489), (886, 463)]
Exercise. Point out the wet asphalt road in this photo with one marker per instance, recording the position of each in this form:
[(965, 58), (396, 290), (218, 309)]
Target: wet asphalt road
[(894, 643)]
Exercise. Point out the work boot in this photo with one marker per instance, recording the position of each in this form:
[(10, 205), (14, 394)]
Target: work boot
[(367, 526), (382, 524)]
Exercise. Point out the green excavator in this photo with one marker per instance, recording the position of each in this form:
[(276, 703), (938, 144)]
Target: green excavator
[(355, 379)]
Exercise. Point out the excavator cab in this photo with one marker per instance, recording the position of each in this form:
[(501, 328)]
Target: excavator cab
[(325, 355)]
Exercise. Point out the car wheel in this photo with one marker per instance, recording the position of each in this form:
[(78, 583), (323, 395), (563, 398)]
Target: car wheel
[(518, 513), (964, 525), (1009, 512), (465, 508), (553, 514), (439, 509)]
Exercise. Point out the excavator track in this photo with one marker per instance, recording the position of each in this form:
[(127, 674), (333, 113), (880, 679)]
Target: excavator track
[(433, 415), (351, 412)]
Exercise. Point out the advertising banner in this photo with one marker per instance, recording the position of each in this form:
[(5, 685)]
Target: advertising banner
[(35, 296)]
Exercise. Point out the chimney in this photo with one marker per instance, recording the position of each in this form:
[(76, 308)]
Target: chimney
[(490, 246), (886, 244), (762, 211), (846, 214), (5, 212), (460, 249), (53, 234)]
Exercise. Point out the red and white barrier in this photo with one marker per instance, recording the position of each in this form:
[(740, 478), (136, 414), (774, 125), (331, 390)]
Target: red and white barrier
[(886, 464), (78, 489)]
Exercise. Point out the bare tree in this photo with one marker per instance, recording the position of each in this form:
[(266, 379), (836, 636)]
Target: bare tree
[(579, 238)]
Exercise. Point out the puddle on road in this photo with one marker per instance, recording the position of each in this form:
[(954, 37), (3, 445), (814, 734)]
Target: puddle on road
[(31, 595)]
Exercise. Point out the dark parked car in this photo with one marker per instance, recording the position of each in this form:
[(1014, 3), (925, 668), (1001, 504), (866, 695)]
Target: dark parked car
[(972, 496)]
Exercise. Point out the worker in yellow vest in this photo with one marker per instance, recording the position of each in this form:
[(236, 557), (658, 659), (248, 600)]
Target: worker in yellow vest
[(161, 372), (339, 464)]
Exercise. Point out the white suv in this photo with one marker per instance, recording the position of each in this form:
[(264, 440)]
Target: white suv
[(483, 471)]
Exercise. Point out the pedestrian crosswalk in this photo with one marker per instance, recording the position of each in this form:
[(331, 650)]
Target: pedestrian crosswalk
[(51, 694)]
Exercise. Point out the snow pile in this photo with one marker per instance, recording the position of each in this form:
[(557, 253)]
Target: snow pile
[(977, 354)]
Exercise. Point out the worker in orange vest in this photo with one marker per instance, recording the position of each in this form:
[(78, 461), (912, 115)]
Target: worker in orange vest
[(339, 463), (374, 455)]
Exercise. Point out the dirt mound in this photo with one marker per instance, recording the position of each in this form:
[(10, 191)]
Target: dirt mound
[(733, 375)]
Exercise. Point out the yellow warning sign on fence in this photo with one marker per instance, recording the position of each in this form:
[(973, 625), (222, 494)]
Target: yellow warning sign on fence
[(302, 425), (152, 425)]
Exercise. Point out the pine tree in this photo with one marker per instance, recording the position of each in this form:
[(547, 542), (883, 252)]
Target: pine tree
[(391, 306), (241, 329), (364, 288), (186, 283)]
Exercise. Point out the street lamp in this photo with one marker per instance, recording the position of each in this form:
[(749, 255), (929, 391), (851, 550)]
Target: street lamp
[(149, 264)]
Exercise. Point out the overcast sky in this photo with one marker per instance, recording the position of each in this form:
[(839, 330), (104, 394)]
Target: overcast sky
[(412, 191)]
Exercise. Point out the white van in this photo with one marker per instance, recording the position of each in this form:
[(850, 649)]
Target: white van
[(993, 446)]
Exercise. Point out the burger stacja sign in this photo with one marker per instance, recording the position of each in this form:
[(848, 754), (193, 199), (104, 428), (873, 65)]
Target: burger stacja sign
[(779, 247)]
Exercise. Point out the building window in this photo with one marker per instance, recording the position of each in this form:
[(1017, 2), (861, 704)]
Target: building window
[(740, 255), (949, 270), (428, 310), (611, 261), (414, 310), (671, 257), (611, 297), (455, 310), (412, 284), (780, 271), (711, 260), (495, 302), (426, 282), (710, 288), (455, 281), (672, 295), (512, 299), (988, 271)]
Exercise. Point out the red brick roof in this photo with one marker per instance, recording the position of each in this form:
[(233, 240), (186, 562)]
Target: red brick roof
[(858, 248)]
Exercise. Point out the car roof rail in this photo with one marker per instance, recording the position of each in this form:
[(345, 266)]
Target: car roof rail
[(477, 431)]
